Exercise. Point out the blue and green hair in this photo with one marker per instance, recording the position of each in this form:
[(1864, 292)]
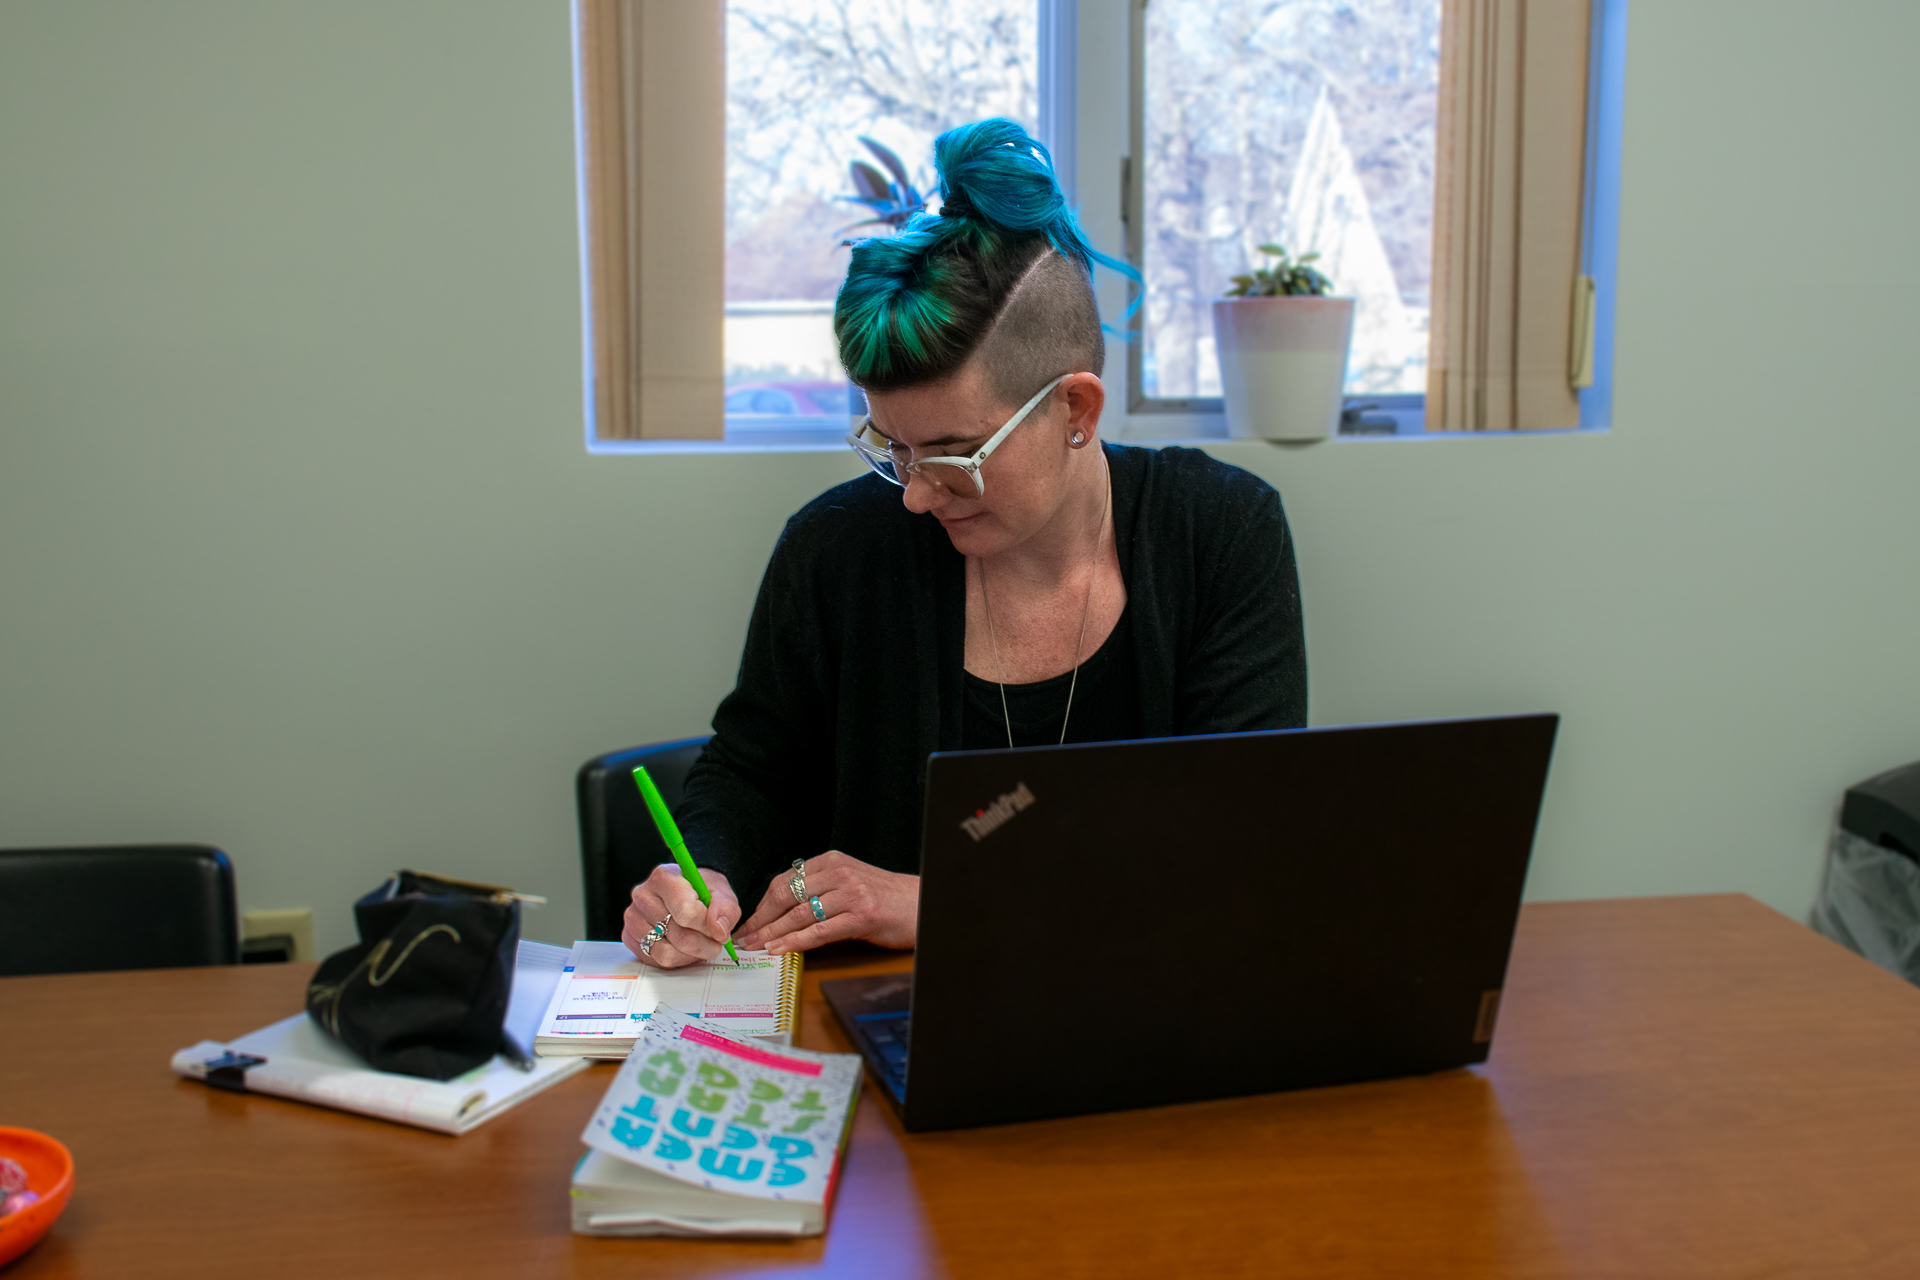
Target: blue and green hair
[(918, 304)]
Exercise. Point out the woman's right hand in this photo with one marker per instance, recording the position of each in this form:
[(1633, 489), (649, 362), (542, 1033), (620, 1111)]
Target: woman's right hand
[(695, 933)]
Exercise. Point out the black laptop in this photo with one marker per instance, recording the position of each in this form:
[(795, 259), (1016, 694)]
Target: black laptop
[(1334, 904)]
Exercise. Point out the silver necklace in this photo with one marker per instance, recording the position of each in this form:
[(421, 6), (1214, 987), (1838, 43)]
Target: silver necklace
[(1086, 612)]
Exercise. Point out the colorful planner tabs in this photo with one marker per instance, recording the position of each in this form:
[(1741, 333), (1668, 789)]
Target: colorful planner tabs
[(713, 1110)]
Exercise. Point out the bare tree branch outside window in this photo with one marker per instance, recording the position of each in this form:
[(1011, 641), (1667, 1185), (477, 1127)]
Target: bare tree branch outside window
[(1307, 122), (806, 78)]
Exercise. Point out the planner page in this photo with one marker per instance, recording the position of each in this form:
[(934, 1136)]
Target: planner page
[(605, 991), (747, 999), (596, 992), (727, 1114)]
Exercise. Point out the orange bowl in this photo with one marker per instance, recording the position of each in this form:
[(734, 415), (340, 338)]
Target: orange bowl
[(49, 1169)]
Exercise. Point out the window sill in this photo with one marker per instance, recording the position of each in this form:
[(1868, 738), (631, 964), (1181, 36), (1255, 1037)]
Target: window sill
[(1369, 418), (1365, 437), (807, 436), (775, 435)]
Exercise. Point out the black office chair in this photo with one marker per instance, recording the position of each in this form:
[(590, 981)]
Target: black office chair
[(128, 907), (618, 844)]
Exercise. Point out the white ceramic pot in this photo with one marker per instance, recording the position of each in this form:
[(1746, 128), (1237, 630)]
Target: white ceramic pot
[(1283, 364)]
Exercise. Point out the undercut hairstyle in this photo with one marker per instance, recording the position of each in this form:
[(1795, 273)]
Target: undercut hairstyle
[(1002, 272)]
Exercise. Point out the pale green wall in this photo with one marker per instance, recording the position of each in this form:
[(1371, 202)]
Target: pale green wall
[(300, 552)]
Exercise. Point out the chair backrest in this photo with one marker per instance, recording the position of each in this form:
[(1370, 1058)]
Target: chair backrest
[(618, 844), (124, 907)]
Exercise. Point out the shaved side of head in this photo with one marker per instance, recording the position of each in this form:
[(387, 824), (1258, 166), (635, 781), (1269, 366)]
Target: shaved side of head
[(1049, 326)]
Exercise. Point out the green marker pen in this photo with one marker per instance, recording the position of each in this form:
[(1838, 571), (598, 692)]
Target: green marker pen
[(677, 845)]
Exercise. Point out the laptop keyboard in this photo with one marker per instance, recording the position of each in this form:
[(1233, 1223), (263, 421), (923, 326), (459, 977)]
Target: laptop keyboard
[(885, 1035)]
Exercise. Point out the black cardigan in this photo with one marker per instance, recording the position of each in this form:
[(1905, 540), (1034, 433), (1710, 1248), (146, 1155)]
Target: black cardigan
[(853, 670)]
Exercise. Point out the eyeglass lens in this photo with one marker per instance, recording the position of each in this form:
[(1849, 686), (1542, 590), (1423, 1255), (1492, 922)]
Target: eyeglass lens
[(896, 465), (881, 464)]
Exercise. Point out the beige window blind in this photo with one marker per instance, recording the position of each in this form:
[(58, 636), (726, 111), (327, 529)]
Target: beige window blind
[(653, 120), (1512, 316)]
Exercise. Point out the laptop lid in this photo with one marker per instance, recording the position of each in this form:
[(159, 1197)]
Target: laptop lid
[(1334, 904)]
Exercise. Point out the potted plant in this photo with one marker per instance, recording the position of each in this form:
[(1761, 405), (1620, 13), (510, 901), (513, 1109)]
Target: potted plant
[(890, 197), (893, 201), (1283, 350)]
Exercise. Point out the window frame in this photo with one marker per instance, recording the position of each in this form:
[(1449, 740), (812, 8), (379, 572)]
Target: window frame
[(1406, 411), (653, 274), (1203, 417), (1600, 222), (1092, 120)]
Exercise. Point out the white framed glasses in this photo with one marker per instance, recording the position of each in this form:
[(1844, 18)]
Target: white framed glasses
[(961, 477)]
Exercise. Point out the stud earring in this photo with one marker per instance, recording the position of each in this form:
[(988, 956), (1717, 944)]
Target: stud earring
[(1079, 437)]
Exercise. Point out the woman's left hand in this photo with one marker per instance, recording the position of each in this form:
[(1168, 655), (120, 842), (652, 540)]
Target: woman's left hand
[(861, 901)]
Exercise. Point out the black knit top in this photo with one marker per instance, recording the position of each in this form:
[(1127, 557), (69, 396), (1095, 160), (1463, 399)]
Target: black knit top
[(853, 670), (1098, 703)]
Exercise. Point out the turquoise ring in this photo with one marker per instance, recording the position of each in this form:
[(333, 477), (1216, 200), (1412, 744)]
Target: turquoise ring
[(819, 912)]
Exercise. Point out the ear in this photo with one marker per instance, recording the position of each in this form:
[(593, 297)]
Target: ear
[(1086, 399)]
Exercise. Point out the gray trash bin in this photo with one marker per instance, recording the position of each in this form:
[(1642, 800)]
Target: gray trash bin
[(1870, 899), (1870, 903)]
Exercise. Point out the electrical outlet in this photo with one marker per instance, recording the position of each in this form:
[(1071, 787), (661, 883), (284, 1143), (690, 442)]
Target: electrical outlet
[(297, 922)]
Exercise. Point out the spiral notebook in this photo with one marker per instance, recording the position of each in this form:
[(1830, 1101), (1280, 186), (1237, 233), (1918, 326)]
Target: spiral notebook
[(605, 997)]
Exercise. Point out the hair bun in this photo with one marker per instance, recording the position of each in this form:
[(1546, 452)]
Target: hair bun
[(954, 204), (996, 171)]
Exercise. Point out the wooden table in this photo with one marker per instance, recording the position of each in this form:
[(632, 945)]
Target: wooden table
[(1680, 1087)]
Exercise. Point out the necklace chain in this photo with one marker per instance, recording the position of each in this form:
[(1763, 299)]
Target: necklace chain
[(1086, 612)]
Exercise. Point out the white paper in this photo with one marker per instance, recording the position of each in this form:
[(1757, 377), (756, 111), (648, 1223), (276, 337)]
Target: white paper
[(605, 991), (536, 971), (722, 1112), (305, 1063), (613, 1197), (742, 999)]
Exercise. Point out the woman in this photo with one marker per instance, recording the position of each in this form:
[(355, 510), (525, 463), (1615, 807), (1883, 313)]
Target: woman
[(1003, 579)]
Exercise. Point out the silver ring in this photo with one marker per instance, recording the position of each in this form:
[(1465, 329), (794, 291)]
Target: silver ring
[(798, 884), (819, 912), (654, 935)]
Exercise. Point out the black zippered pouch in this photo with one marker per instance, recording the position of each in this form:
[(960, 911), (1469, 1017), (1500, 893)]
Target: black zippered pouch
[(424, 992)]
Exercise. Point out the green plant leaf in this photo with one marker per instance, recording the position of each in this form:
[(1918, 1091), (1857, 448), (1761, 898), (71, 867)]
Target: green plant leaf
[(892, 162), (868, 181)]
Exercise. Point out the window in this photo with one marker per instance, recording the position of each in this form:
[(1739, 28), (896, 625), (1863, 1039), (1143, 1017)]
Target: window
[(717, 139), (807, 81), (1307, 123), (1365, 130)]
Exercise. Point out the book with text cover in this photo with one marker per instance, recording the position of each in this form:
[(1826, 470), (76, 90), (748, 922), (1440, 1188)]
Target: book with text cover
[(703, 1133), (605, 997)]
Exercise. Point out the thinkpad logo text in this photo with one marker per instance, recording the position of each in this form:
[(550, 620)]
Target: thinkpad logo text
[(985, 822)]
